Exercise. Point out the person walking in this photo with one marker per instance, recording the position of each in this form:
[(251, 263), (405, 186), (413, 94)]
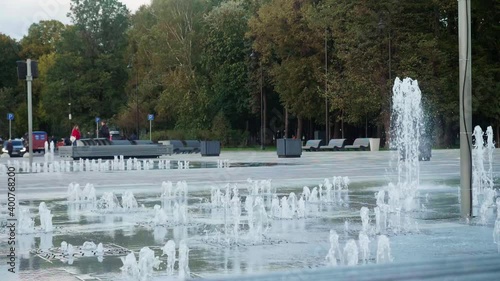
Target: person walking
[(10, 148), (104, 130), (75, 134)]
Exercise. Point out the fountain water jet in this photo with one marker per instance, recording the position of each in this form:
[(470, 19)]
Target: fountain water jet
[(364, 246), (407, 120), (128, 201), (383, 250), (169, 250), (334, 253), (365, 219), (351, 253), (496, 229), (26, 223), (45, 218), (184, 271), (482, 179), (143, 268)]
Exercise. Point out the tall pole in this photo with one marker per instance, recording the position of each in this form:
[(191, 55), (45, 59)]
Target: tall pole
[(261, 110), (69, 104), (327, 121), (464, 39), (10, 129), (137, 103), (29, 80)]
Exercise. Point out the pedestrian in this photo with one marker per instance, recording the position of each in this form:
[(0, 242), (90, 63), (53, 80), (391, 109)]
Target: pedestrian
[(75, 134), (10, 148), (104, 131)]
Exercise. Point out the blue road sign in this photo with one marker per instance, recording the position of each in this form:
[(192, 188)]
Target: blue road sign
[(10, 116), (97, 119), (151, 117)]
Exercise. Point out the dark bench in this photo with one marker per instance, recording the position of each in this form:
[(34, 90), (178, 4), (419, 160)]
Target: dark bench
[(121, 142), (334, 144), (312, 145), (360, 144), (194, 144), (142, 142)]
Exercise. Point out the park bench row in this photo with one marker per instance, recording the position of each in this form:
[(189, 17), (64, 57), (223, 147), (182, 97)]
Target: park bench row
[(337, 144), (185, 146)]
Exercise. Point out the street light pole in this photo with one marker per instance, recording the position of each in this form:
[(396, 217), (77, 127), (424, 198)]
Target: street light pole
[(327, 121), (69, 104), (464, 41), (136, 99), (29, 80), (262, 134), (137, 103), (382, 26)]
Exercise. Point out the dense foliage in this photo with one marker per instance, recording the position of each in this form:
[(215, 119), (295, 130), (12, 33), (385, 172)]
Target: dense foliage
[(215, 69)]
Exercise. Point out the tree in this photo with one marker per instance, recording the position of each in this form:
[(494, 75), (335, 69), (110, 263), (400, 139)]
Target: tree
[(292, 50), (42, 38), (9, 90), (9, 54), (89, 63), (225, 56), (164, 48)]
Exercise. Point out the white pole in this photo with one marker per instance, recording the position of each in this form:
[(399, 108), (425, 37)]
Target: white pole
[(10, 129), (149, 129), (97, 129), (29, 79), (464, 40)]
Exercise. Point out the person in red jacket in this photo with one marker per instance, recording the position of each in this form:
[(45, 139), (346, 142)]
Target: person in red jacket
[(75, 134)]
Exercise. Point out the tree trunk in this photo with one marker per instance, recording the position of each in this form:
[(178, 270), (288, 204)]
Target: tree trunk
[(336, 129), (366, 126), (387, 127), (265, 116), (342, 124), (299, 127), (448, 135), (286, 123), (498, 135)]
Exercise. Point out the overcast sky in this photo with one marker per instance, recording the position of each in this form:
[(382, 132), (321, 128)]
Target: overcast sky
[(17, 15)]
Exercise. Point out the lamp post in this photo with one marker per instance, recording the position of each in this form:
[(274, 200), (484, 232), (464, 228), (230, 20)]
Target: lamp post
[(382, 26), (327, 121), (69, 103), (255, 55), (136, 100), (465, 101)]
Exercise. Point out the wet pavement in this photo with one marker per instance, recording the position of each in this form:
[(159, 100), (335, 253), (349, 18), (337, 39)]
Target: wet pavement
[(289, 244)]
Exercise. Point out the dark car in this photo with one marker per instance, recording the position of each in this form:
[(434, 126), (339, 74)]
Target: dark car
[(18, 147)]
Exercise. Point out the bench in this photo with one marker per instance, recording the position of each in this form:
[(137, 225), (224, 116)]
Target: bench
[(194, 145), (359, 143), (334, 144), (121, 142), (142, 142), (312, 145)]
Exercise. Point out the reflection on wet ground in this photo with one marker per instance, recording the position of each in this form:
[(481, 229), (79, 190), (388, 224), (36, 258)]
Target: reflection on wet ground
[(289, 244)]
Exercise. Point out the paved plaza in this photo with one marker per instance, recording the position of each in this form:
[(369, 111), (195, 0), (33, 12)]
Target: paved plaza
[(311, 168), (437, 231)]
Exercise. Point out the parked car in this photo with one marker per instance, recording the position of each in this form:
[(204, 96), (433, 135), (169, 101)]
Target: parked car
[(39, 139), (18, 147)]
